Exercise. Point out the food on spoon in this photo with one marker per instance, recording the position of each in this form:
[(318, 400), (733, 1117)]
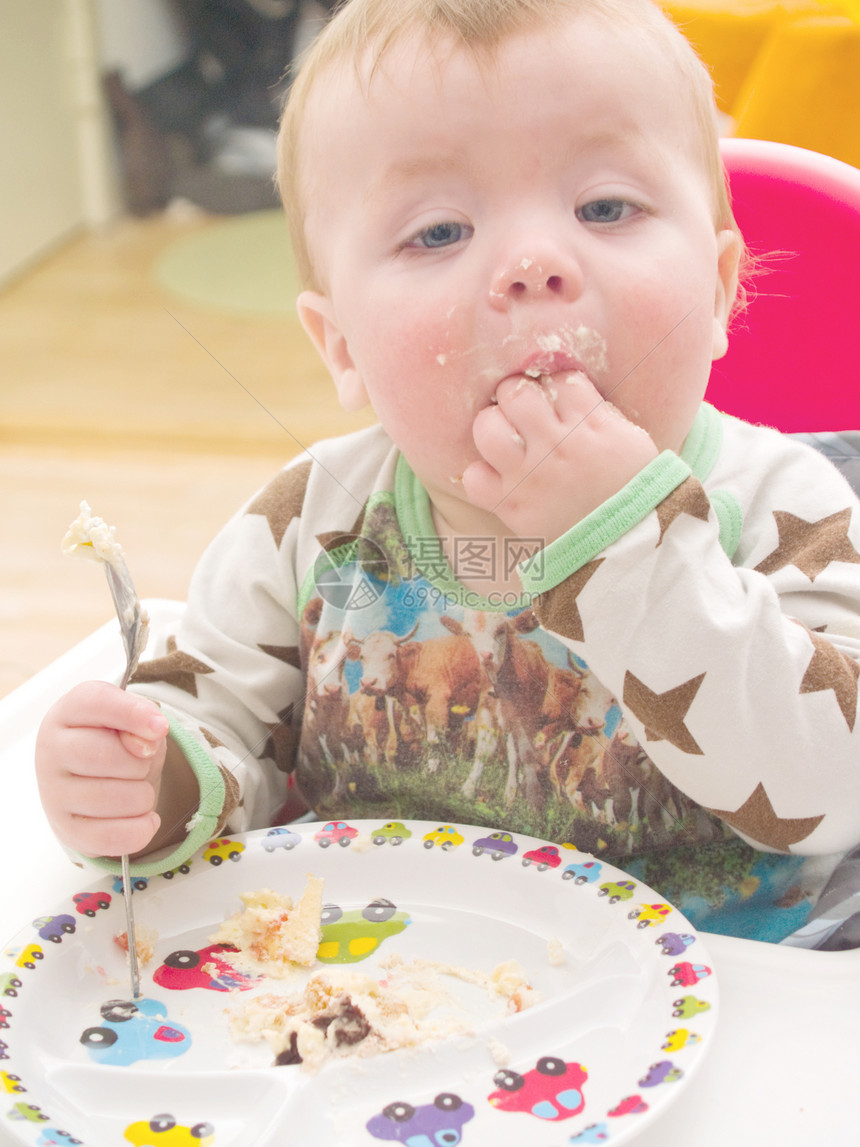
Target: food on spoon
[(91, 537)]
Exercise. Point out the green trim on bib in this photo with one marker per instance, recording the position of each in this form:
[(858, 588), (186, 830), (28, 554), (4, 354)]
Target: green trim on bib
[(703, 443), (416, 521), (605, 525)]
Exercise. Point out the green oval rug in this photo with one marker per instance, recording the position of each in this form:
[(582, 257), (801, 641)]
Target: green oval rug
[(243, 264)]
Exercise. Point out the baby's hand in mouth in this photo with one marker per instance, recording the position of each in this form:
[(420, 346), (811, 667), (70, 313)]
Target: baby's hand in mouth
[(552, 449)]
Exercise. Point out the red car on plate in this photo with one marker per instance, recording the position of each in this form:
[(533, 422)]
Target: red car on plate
[(551, 1090), (335, 832), (547, 856), (88, 903), (205, 968)]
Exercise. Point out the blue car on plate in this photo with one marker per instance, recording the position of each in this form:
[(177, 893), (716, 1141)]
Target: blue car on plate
[(280, 838), (133, 1031)]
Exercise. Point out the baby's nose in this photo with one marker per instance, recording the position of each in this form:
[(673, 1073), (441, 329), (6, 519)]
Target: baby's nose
[(532, 277)]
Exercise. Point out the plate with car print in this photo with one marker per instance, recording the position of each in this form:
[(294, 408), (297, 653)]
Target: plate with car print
[(562, 1000)]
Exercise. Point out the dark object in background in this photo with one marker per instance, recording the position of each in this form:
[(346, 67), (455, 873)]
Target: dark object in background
[(205, 131)]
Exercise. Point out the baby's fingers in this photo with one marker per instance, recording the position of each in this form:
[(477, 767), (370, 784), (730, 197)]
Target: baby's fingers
[(99, 705), (102, 753), (498, 441), (109, 836)]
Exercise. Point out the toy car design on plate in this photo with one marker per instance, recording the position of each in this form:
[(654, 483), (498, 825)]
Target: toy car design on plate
[(593, 1133), (679, 1038), (436, 1124), (497, 844), (27, 956), (54, 928), (551, 1090), (9, 984), (662, 1072), (348, 937), (51, 1137), (547, 856), (689, 1006), (336, 832), (11, 1082), (632, 1105), (164, 1131), (686, 974), (394, 832), (280, 838), (138, 883), (585, 872), (617, 890), (204, 968), (88, 903), (674, 943), (445, 837), (650, 914), (133, 1031), (217, 851), (27, 1111)]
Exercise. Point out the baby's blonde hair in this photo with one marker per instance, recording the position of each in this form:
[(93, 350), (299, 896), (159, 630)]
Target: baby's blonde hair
[(363, 31)]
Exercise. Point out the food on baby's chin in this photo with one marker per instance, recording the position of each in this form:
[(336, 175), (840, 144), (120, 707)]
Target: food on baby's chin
[(342, 1013), (272, 934), (144, 943), (91, 537)]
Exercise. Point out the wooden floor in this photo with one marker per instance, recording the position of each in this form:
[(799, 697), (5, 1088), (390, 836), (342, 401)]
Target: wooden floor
[(163, 415)]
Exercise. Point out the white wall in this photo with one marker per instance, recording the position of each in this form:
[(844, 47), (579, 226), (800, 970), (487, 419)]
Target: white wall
[(142, 39), (41, 191)]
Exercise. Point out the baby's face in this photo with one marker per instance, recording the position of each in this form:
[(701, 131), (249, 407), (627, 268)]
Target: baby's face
[(540, 215)]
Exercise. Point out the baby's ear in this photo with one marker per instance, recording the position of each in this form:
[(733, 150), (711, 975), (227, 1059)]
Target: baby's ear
[(728, 261), (317, 316)]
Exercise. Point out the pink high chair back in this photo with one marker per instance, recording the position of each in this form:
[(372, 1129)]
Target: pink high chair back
[(794, 354)]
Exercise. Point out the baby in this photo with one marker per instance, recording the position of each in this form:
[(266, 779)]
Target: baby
[(553, 591)]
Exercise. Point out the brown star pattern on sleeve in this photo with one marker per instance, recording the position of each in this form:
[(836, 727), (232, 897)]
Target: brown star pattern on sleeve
[(289, 654), (232, 799), (281, 744), (811, 546), (663, 714), (688, 498), (756, 819), (558, 609), (830, 669), (176, 668), (282, 499)]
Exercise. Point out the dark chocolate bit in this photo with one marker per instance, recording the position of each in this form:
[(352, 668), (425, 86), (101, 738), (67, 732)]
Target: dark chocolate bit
[(346, 1025), (289, 1055)]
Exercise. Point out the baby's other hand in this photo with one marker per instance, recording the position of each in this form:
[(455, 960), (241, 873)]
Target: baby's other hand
[(553, 450), (99, 758)]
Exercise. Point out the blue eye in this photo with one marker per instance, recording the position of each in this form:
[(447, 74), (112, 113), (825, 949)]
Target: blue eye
[(441, 235), (604, 211)]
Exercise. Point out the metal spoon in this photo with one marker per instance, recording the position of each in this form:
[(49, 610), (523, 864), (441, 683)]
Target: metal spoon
[(134, 627)]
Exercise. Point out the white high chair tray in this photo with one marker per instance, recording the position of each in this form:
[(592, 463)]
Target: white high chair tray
[(784, 1056)]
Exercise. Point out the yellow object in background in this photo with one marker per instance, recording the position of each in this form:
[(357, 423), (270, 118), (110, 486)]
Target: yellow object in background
[(804, 88), (728, 37), (784, 70)]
